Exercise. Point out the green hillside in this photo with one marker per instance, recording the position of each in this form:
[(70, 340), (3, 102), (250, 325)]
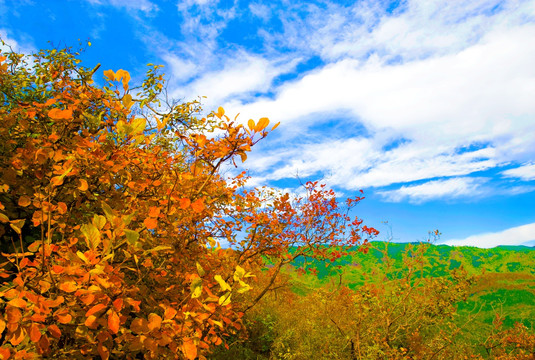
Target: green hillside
[(399, 301)]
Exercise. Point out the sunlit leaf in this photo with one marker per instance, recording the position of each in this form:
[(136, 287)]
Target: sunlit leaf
[(225, 299), (198, 205), (109, 74), (222, 283)]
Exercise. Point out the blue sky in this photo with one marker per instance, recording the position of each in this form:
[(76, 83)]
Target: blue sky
[(428, 106)]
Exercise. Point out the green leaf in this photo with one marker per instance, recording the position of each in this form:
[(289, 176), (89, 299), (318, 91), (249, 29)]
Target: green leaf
[(132, 236), (196, 288), (200, 270), (108, 212)]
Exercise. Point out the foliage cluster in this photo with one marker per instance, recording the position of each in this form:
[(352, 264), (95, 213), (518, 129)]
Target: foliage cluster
[(403, 310), (113, 206)]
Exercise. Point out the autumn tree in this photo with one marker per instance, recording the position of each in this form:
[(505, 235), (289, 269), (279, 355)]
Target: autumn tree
[(113, 207)]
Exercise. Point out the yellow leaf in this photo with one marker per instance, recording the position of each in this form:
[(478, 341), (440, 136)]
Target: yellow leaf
[(4, 218), (99, 221), (138, 125), (200, 270), (239, 273), (17, 225), (196, 288), (222, 283), (275, 126), (91, 234), (225, 299), (127, 101), (109, 74), (82, 256), (251, 124), (262, 123), (220, 112)]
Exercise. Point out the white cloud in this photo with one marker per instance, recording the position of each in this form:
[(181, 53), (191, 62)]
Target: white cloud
[(12, 44), (436, 189), (241, 77), (260, 10), (480, 95), (514, 236), (141, 5), (525, 172)]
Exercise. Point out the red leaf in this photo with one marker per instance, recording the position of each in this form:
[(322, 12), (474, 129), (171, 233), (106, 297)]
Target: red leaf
[(54, 331)]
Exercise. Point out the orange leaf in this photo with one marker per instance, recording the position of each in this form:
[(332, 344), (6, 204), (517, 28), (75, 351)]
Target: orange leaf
[(95, 309), (118, 304), (50, 102), (189, 349), (5, 353), (68, 286), (198, 205), (262, 123), (64, 318), (154, 211), (62, 208), (35, 334), (113, 322), (24, 201), (184, 203), (169, 313), (155, 321), (139, 326), (18, 336), (251, 124), (18, 302), (57, 180), (91, 322), (103, 351), (54, 331), (58, 114), (150, 223), (83, 185)]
